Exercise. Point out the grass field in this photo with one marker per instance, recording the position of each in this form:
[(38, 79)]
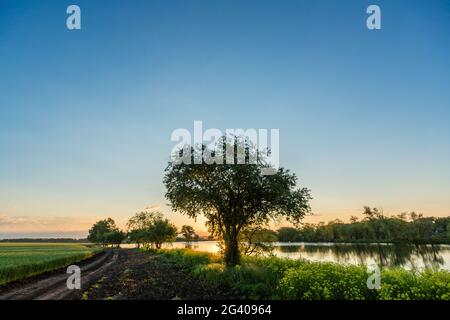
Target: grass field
[(22, 260)]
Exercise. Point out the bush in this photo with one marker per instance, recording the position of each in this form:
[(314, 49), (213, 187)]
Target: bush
[(188, 259), (276, 278), (251, 280), (398, 284), (325, 281)]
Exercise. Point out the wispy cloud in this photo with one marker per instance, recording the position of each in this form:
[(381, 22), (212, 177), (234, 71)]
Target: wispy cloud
[(152, 207), (22, 223)]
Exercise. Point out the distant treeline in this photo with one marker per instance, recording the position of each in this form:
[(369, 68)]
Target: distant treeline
[(374, 227), (41, 240)]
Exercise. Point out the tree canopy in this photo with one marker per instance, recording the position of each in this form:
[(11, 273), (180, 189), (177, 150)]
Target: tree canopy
[(150, 229), (105, 232), (188, 233), (234, 196), (374, 227)]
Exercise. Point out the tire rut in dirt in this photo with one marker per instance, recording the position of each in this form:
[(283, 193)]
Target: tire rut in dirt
[(143, 276), (53, 285)]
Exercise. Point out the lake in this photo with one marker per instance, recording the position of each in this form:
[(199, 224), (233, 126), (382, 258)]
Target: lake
[(387, 255)]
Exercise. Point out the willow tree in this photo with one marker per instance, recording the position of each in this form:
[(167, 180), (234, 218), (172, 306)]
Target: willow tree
[(232, 196)]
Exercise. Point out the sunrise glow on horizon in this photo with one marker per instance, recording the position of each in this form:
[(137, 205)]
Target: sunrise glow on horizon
[(86, 116)]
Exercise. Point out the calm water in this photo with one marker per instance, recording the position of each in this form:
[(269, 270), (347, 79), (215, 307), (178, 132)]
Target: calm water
[(388, 255)]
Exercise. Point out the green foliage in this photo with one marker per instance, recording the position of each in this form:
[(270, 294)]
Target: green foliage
[(399, 284), (276, 278), (137, 236), (138, 225), (18, 261), (375, 227), (187, 258), (115, 237), (255, 240), (162, 230), (188, 233), (150, 229), (103, 232), (143, 220), (325, 281), (232, 197), (288, 234)]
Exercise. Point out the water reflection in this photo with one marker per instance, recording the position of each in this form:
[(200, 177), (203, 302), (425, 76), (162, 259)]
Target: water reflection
[(415, 257), (388, 255)]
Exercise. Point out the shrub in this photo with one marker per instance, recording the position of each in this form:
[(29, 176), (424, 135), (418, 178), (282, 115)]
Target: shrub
[(188, 259), (399, 284), (277, 278), (326, 281)]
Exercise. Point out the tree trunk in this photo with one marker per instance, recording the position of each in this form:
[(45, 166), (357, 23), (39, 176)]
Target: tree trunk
[(231, 250)]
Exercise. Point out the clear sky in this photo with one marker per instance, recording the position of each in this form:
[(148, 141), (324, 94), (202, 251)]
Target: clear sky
[(86, 116)]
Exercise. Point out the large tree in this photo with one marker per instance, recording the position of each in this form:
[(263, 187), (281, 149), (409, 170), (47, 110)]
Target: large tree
[(188, 233), (233, 196), (137, 226), (99, 231), (115, 237), (162, 230), (149, 227)]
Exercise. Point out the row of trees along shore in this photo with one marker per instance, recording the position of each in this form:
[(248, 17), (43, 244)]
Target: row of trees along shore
[(374, 226), (239, 198), (150, 230), (147, 229)]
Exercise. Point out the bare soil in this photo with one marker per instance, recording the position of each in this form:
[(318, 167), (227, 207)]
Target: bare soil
[(144, 276), (123, 274)]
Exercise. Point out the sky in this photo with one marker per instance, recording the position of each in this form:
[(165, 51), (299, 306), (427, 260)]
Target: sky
[(86, 115)]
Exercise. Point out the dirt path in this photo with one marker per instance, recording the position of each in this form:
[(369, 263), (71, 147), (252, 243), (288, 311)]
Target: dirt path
[(126, 274), (52, 286), (143, 276)]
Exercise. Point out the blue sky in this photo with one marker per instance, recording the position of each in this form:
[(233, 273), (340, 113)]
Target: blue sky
[(86, 116)]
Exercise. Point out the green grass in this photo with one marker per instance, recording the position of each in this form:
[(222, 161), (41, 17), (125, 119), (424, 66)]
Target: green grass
[(276, 278), (22, 260)]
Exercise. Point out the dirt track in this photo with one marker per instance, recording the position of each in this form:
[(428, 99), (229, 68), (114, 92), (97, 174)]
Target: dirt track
[(118, 274), (144, 276), (53, 285)]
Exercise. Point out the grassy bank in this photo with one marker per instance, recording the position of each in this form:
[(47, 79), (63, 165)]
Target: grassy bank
[(22, 260), (276, 278)]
